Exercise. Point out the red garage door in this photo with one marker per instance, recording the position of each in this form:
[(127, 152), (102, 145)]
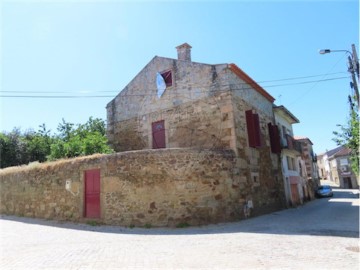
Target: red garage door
[(92, 193)]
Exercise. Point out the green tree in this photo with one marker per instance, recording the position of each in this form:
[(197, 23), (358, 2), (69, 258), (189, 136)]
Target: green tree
[(66, 130), (80, 140), (38, 143), (349, 136), (17, 148), (96, 143), (13, 149)]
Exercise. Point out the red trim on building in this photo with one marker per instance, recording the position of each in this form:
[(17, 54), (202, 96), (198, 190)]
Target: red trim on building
[(242, 75)]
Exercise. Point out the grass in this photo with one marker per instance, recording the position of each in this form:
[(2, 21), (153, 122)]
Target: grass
[(182, 225), (48, 164), (92, 223)]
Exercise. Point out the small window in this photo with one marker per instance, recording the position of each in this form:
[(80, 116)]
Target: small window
[(288, 161), (255, 178), (344, 161), (293, 164), (167, 75)]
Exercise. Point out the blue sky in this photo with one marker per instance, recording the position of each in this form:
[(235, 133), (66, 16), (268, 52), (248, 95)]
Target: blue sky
[(94, 48)]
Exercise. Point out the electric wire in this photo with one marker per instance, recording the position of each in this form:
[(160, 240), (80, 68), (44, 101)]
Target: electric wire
[(239, 86), (317, 82), (112, 91)]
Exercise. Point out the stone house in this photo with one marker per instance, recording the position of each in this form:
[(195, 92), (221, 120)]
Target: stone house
[(334, 165), (293, 165), (323, 163), (178, 103), (208, 150)]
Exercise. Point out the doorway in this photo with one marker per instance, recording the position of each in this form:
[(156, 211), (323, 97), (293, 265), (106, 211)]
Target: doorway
[(92, 194), (347, 182), (158, 134)]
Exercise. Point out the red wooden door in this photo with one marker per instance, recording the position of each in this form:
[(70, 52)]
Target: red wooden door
[(92, 193), (295, 194), (158, 131)]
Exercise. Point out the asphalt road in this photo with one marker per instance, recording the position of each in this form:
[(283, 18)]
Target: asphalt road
[(322, 234)]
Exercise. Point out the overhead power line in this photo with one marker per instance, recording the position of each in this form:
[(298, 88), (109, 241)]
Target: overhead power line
[(304, 77), (317, 81), (24, 96), (240, 86)]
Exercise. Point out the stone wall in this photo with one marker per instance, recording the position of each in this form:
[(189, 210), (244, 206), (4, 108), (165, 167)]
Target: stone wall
[(206, 123), (191, 107), (190, 81), (155, 187), (259, 166)]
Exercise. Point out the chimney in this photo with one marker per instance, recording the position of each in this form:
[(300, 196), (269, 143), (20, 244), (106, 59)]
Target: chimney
[(184, 52)]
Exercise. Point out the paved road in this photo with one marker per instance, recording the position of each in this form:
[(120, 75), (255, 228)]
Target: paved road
[(323, 234)]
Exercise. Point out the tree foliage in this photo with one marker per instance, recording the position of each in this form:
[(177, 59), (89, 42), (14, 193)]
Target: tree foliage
[(349, 136), (72, 140)]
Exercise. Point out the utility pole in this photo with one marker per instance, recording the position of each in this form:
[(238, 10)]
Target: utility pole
[(354, 69), (355, 60), (353, 84)]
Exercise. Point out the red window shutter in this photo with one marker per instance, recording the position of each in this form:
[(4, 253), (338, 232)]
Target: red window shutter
[(250, 128), (167, 77), (274, 138), (257, 129), (253, 128), (277, 139)]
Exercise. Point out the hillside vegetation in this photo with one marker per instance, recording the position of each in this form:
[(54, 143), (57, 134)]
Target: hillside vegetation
[(17, 147)]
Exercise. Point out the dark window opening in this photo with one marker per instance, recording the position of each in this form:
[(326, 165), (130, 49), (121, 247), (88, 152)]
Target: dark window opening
[(167, 75)]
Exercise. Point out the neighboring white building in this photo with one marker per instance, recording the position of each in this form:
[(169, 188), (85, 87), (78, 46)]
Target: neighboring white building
[(293, 166)]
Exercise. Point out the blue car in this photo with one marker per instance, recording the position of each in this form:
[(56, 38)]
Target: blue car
[(324, 191)]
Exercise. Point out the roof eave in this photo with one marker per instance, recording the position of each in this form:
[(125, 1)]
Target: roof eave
[(288, 113), (242, 75)]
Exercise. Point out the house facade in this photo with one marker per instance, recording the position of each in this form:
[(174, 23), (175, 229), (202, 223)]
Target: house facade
[(310, 162), (178, 103), (293, 169), (323, 163), (334, 165)]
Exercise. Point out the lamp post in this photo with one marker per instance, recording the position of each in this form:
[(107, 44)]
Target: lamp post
[(353, 67)]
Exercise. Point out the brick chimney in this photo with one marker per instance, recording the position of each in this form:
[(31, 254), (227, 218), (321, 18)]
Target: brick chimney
[(184, 52)]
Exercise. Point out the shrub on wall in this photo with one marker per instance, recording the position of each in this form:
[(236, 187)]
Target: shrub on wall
[(17, 148)]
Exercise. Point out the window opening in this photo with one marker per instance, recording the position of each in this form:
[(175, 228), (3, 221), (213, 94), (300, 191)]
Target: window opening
[(167, 75)]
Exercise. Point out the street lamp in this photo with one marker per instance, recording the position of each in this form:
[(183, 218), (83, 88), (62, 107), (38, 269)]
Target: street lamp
[(325, 51), (353, 67)]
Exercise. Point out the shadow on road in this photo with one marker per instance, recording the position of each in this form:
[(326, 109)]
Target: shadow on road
[(336, 216)]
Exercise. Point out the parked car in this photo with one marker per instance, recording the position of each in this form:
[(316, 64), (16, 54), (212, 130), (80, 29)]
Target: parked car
[(324, 191)]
